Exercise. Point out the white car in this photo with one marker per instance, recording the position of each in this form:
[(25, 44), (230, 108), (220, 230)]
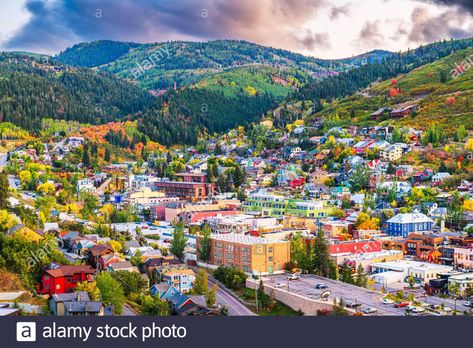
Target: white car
[(387, 301), (278, 285), (293, 277), (369, 310), (447, 309), (418, 309)]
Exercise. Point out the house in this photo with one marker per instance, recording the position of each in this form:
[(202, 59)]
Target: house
[(423, 176), (361, 146), (379, 113), (403, 224), (96, 255), (438, 178), (404, 111), (75, 303), (391, 153), (122, 266), (58, 279), (151, 264), (25, 232), (180, 278), (85, 185)]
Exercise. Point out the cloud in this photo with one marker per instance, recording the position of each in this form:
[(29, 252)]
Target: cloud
[(370, 35), (56, 24), (337, 12), (452, 23), (315, 40), (464, 4)]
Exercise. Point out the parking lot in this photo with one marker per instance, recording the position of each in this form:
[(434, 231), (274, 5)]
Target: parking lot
[(306, 286)]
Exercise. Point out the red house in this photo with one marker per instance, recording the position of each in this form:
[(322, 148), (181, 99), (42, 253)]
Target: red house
[(64, 279)]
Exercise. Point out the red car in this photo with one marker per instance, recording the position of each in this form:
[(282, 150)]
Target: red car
[(401, 304)]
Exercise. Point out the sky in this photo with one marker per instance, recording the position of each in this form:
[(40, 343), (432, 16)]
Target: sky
[(320, 28)]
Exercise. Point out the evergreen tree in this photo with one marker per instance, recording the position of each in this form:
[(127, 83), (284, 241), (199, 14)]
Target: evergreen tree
[(204, 244), (86, 157), (107, 156), (4, 191), (321, 259), (346, 275), (361, 277)]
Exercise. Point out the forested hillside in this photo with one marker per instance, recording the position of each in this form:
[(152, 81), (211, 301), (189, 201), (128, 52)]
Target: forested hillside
[(351, 81), (31, 90), (95, 53), (159, 65), (444, 98), (179, 116)]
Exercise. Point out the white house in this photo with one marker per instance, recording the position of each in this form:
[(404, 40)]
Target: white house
[(85, 185)]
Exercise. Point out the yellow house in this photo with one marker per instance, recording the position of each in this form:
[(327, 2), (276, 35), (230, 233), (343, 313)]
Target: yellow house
[(26, 232)]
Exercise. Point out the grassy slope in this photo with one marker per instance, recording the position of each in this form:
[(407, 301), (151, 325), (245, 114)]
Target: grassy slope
[(421, 85), (234, 81)]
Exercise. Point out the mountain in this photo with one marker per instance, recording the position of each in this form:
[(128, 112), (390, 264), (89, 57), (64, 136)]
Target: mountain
[(160, 65), (95, 53), (351, 81), (32, 89), (443, 92)]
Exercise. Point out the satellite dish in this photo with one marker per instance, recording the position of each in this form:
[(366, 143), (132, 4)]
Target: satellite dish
[(325, 294)]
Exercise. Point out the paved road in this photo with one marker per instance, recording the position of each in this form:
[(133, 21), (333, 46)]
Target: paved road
[(235, 307), (128, 311), (305, 286)]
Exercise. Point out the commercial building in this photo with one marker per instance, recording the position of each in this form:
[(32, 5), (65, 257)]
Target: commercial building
[(398, 271), (463, 257), (189, 191), (277, 206), (250, 254), (463, 280)]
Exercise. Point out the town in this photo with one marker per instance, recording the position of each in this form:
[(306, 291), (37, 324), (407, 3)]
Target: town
[(310, 220)]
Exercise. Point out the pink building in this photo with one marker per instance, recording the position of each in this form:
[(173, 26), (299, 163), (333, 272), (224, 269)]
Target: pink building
[(463, 257)]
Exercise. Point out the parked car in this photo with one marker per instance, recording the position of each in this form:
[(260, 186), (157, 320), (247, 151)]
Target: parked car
[(321, 286), (387, 301), (468, 304), (418, 309), (447, 309), (401, 304), (351, 304), (293, 277), (369, 310)]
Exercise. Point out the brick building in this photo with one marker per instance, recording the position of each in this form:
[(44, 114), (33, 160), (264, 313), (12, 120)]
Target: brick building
[(249, 254)]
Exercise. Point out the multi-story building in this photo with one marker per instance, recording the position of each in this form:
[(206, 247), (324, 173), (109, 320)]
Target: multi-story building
[(391, 153), (250, 254), (61, 279), (146, 197), (278, 206), (463, 257), (181, 278), (403, 224), (189, 191)]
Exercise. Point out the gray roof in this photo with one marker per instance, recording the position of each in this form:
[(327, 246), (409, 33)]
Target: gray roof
[(83, 306), (71, 296)]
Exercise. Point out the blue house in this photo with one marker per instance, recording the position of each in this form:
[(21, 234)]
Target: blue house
[(403, 224)]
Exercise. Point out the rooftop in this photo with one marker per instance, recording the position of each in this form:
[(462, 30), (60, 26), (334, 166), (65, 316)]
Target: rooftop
[(244, 239)]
